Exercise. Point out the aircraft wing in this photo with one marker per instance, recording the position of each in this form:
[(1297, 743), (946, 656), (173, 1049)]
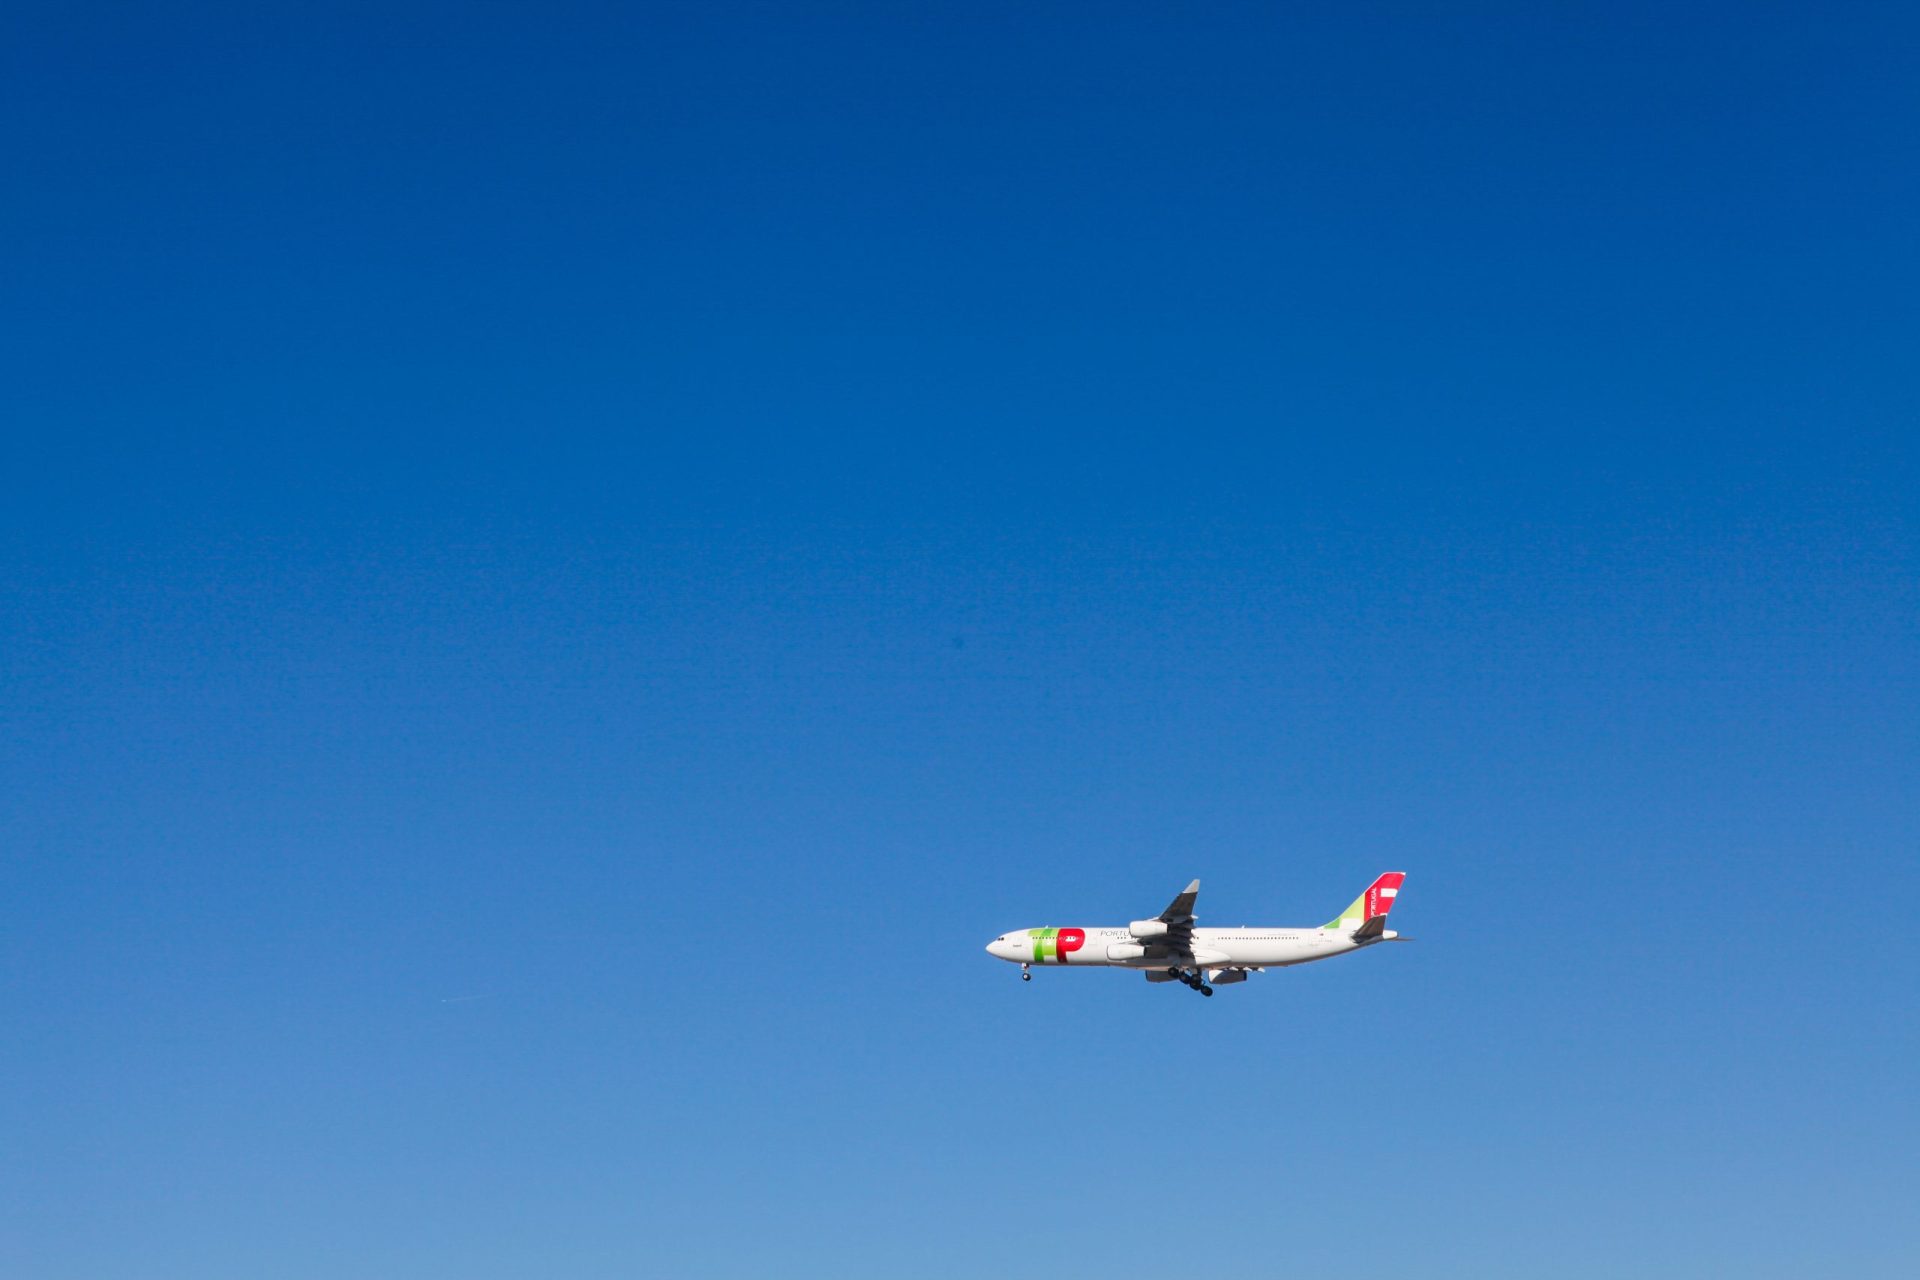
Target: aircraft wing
[(1181, 908), (1179, 919)]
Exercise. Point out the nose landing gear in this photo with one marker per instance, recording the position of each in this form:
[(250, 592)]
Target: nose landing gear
[(1024, 975)]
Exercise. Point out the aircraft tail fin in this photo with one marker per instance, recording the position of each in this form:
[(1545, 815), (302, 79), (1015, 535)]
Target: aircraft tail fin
[(1369, 910)]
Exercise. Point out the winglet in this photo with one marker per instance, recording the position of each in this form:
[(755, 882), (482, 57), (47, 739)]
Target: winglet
[(1181, 908)]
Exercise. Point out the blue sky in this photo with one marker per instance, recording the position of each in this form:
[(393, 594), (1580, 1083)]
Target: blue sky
[(564, 573)]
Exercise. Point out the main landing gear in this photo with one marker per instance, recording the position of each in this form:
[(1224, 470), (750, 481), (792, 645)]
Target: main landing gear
[(1192, 978), (1024, 975)]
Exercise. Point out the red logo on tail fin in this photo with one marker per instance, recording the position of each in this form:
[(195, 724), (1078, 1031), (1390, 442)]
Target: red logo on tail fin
[(1382, 892)]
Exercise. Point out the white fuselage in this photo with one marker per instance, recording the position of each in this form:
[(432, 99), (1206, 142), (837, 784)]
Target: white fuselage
[(1244, 947)]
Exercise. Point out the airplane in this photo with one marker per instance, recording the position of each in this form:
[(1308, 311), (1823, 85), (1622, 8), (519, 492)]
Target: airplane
[(1168, 948)]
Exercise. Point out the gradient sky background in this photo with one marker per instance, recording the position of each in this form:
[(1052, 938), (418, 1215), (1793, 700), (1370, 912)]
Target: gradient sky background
[(564, 571)]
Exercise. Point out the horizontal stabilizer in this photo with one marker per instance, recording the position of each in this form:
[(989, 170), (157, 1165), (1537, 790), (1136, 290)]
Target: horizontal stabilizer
[(1372, 931)]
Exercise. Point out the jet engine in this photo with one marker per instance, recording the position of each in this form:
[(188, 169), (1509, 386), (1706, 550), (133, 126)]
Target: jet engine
[(1125, 951), (1147, 928)]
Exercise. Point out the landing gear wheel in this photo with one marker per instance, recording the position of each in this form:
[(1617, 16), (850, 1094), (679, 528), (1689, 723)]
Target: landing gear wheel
[(1206, 991), (1025, 976)]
